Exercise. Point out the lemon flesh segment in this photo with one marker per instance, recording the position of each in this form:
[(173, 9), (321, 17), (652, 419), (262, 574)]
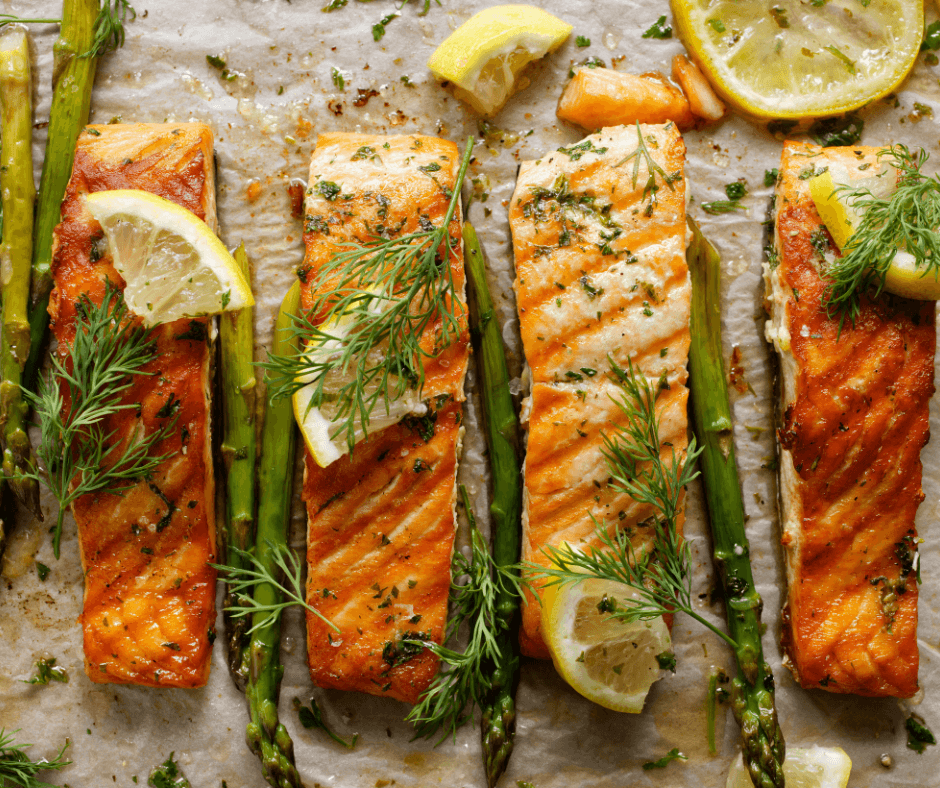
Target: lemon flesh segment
[(610, 662), (815, 767), (483, 57), (173, 265), (322, 426), (792, 59)]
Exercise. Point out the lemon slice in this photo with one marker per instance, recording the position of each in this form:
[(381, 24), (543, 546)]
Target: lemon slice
[(483, 57), (793, 59), (174, 266), (322, 426), (607, 661), (817, 767)]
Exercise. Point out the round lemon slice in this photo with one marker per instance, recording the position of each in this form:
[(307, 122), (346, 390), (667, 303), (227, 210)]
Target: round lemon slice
[(174, 266), (816, 767), (794, 59), (483, 57), (323, 426), (607, 661)]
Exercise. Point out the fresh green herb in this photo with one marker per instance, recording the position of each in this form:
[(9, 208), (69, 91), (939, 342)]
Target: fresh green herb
[(662, 763), (931, 37), (659, 29), (832, 132), (918, 735), (717, 25), (242, 581), (846, 61), (313, 718), (667, 661), (582, 41), (575, 152), (907, 219), (716, 207), (464, 680), (109, 27), (215, 61), (333, 5), (735, 190), (168, 775), (42, 570), (338, 78), (79, 451), (46, 671), (18, 770), (328, 190), (378, 29), (651, 187), (638, 467), (770, 177), (392, 290)]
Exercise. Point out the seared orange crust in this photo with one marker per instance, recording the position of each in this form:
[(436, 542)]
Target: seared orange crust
[(149, 603), (381, 522), (854, 423), (584, 296)]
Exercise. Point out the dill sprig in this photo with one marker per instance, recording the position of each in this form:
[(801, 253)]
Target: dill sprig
[(18, 770), (81, 456), (242, 581), (363, 335), (907, 220), (109, 27), (660, 576), (651, 188), (13, 19), (466, 675)]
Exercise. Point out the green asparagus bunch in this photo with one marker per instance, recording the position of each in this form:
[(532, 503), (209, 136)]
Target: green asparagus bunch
[(753, 688), (18, 197), (501, 424), (236, 339)]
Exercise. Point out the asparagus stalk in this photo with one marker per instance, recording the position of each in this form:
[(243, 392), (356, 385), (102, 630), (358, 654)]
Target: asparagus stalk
[(498, 723), (72, 78), (267, 737), (18, 197), (236, 337), (753, 688)]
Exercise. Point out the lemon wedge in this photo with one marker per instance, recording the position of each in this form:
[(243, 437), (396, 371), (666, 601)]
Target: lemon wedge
[(607, 661), (483, 57), (816, 767), (793, 59), (174, 266), (322, 426)]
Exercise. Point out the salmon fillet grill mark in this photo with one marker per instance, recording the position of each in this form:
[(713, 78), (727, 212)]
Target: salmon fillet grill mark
[(149, 606), (600, 275), (381, 521), (854, 418)]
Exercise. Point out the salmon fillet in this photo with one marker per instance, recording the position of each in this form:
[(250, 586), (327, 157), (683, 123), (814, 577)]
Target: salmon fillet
[(149, 606), (381, 521), (854, 418), (600, 275)]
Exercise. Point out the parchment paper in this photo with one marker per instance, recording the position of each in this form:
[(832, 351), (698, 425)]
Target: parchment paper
[(266, 121)]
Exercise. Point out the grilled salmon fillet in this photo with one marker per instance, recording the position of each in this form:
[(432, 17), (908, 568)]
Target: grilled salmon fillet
[(381, 521), (854, 418), (600, 275), (149, 606)]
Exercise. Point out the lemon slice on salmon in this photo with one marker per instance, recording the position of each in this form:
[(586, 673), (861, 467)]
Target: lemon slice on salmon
[(816, 767), (793, 59), (842, 217), (174, 266), (322, 425), (608, 661), (483, 57)]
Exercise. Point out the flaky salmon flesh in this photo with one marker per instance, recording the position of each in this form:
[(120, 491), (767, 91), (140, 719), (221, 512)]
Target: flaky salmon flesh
[(601, 277), (854, 418), (381, 521), (149, 606)]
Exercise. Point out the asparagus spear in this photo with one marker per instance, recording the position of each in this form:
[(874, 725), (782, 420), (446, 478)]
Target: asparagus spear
[(73, 76), (498, 723), (236, 338), (753, 689), (18, 197), (267, 737)]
